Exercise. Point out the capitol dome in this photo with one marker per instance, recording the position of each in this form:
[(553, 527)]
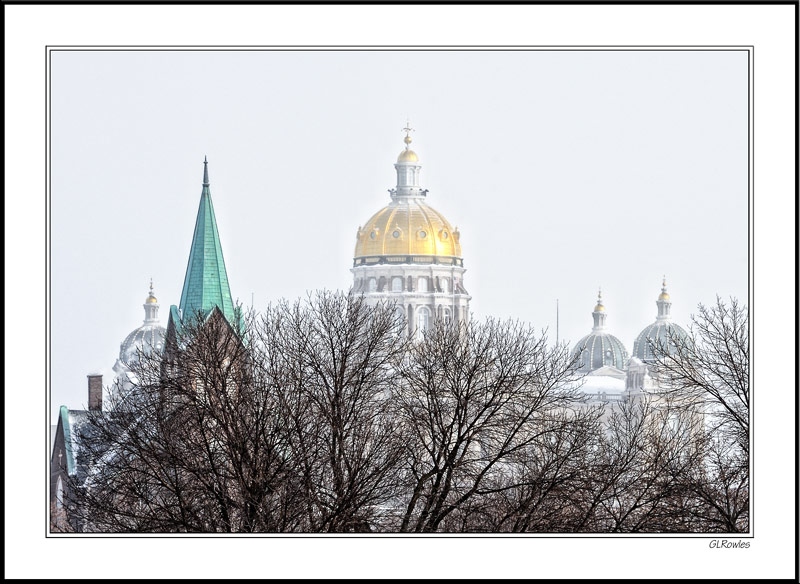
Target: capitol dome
[(599, 348), (147, 337), (663, 332), (407, 230), (408, 255), (407, 227)]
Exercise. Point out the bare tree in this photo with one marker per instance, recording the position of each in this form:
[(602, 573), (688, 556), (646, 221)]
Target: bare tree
[(322, 416), (282, 425), (333, 361), (472, 397), (710, 371), (197, 444)]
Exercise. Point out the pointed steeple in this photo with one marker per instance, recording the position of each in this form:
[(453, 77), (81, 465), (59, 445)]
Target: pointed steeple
[(206, 282)]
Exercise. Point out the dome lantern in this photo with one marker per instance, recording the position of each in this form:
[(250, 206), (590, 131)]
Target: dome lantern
[(151, 307), (599, 314), (663, 302), (408, 168)]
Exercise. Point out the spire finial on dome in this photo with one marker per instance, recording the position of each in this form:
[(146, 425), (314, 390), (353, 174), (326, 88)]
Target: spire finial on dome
[(151, 297), (408, 129), (205, 171), (599, 306), (664, 295)]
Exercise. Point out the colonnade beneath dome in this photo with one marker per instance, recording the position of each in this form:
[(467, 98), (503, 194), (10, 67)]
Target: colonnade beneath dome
[(423, 293)]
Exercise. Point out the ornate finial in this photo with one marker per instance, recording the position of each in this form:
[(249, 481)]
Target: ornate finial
[(408, 129), (205, 171), (151, 297), (664, 295), (599, 305)]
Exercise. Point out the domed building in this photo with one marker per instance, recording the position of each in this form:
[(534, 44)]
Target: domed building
[(410, 254), (662, 332), (600, 348), (145, 339)]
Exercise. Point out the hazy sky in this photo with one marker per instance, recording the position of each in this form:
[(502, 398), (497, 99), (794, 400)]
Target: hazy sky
[(563, 170)]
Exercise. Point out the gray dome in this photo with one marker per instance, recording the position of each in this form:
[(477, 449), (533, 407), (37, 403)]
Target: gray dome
[(145, 338), (659, 333), (599, 349)]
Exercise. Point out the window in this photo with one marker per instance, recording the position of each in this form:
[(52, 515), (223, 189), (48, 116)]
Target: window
[(59, 494), (397, 284), (444, 285), (448, 317), (422, 284), (423, 319), (396, 233), (422, 234), (372, 234), (373, 284)]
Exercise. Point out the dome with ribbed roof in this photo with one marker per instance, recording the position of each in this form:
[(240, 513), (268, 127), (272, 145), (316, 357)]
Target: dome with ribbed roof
[(407, 230), (146, 338), (407, 227), (599, 348), (663, 333)]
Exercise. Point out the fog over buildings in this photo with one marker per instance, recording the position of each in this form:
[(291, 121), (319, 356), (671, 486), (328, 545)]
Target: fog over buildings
[(564, 172)]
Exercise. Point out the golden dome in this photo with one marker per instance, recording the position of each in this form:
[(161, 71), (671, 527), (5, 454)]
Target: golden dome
[(407, 226), (663, 296), (408, 156), (599, 307)]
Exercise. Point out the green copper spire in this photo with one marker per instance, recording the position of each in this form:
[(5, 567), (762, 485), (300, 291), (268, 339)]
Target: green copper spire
[(206, 281)]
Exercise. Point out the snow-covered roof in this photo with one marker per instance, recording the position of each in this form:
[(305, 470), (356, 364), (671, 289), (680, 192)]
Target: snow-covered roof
[(602, 383)]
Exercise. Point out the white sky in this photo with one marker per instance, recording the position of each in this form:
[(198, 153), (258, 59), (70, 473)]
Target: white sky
[(564, 171), (547, 140)]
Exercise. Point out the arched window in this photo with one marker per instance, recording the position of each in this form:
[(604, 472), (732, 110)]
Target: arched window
[(443, 283), (373, 284), (448, 316), (422, 284), (397, 284), (423, 319)]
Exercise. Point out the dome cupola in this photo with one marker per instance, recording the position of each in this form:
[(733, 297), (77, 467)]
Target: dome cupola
[(407, 230), (146, 338), (663, 332), (599, 348)]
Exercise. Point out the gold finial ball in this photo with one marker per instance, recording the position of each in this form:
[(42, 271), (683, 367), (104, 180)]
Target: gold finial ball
[(407, 139)]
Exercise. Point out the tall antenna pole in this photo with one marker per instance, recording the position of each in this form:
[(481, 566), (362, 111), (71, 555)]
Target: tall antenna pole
[(556, 321), (252, 295)]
